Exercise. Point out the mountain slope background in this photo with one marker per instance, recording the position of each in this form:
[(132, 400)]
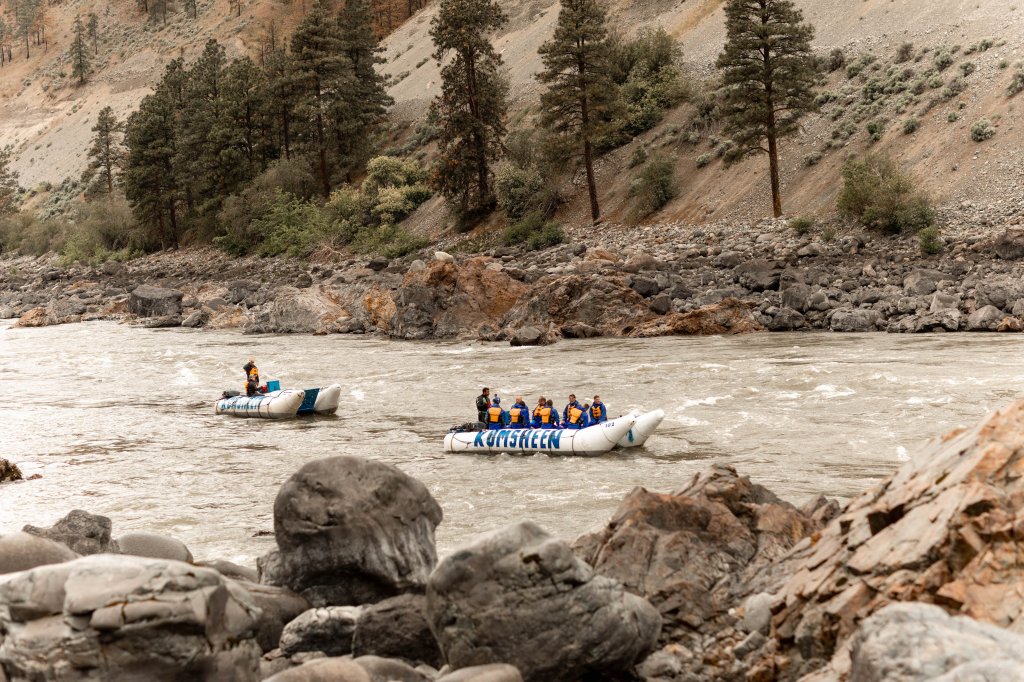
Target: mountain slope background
[(48, 119)]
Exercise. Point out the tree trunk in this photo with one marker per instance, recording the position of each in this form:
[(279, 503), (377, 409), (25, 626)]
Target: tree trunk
[(773, 167), (588, 156)]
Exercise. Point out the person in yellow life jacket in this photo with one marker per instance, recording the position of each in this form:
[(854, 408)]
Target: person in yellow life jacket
[(250, 369), (497, 418), (252, 386), (598, 411), (519, 414), (554, 414), (536, 413), (573, 416)]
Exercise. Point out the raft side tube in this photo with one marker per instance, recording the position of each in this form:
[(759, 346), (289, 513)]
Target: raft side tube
[(646, 424), (273, 405), (593, 440)]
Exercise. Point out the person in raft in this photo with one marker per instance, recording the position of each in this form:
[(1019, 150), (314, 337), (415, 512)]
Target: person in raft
[(574, 415), (519, 414), (252, 386), (497, 418), (250, 370), (536, 412), (598, 411), (483, 403), (545, 416)]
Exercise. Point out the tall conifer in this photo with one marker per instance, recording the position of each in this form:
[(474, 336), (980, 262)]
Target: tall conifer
[(106, 155), (472, 105), (79, 53), (580, 87), (8, 182), (767, 76)]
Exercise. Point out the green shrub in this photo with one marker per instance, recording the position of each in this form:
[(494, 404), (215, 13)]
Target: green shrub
[(982, 130), (836, 60), (812, 159), (1016, 83), (875, 129), (952, 117), (801, 225), (26, 233), (955, 87), (534, 231), (905, 53), (654, 187), (391, 171), (103, 230), (291, 227), (910, 126), (390, 241), (518, 190), (967, 68), (862, 62), (703, 160), (880, 196), (639, 156), (943, 60), (929, 240)]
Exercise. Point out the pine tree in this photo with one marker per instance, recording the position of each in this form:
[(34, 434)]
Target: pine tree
[(24, 17), (79, 53), (281, 95), (472, 105), (190, 7), (8, 182), (94, 31), (768, 76), (360, 109), (580, 87), (106, 155), (320, 73)]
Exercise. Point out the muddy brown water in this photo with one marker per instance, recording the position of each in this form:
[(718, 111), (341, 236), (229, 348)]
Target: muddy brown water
[(119, 420)]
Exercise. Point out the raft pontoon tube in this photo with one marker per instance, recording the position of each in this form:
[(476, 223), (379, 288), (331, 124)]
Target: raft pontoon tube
[(286, 403), (593, 440), (645, 425)]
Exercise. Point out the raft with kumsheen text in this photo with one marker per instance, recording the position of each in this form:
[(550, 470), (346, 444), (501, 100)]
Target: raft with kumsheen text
[(280, 404)]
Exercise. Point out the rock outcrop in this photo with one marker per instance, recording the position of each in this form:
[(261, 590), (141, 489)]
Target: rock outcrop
[(151, 301), (397, 628), (154, 546), (521, 597), (728, 317), (9, 471), (83, 532), (107, 617), (328, 629), (352, 531), (22, 551)]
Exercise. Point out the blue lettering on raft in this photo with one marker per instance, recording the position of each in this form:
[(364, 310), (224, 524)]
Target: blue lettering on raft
[(555, 439), (490, 438), (478, 442)]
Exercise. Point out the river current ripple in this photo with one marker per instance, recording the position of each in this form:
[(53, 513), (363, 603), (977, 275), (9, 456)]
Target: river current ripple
[(119, 420)]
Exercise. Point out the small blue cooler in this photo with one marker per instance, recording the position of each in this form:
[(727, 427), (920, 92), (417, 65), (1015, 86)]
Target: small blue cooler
[(273, 385)]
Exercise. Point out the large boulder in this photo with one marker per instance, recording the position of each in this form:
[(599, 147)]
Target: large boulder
[(943, 529), (859, 320), (922, 282), (728, 317), (328, 629), (521, 597), (324, 670), (278, 607), (397, 628), (922, 643), (150, 301), (83, 532), (154, 546), (22, 551), (1010, 244), (1001, 293), (9, 471), (694, 552), (111, 617), (985, 319), (758, 274), (353, 531), (298, 311)]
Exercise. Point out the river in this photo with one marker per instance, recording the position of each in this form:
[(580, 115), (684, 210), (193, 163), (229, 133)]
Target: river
[(119, 420)]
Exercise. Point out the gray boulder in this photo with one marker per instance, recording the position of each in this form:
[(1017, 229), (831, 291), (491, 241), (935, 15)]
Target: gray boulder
[(150, 301), (328, 629), (795, 296), (1000, 294), (1010, 244), (859, 320), (195, 319), (645, 286), (229, 569), (921, 282), (397, 628), (278, 607), (154, 546), (527, 336), (353, 531), (112, 617), (757, 613), (661, 304), (389, 670), (494, 672), (819, 301), (944, 320), (758, 275), (985, 319), (22, 551), (81, 531), (914, 642), (786, 320), (521, 597), (939, 303), (324, 670)]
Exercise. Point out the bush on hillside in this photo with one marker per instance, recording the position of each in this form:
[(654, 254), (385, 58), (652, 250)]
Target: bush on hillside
[(930, 241), (880, 196), (801, 225), (103, 230), (654, 187), (291, 227), (1016, 84), (518, 190), (905, 53), (910, 126), (534, 231), (836, 60), (982, 130), (28, 234)]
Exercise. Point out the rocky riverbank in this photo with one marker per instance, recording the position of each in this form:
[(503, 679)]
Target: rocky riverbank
[(726, 277), (917, 579)]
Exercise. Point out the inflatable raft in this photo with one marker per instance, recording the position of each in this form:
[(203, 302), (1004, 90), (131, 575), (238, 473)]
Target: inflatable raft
[(645, 425), (283, 403), (593, 440)]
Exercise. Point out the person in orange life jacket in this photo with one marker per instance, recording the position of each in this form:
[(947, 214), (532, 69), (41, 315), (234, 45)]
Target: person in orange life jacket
[(249, 369), (252, 386), (598, 411), (497, 418), (519, 414), (536, 411), (572, 415), (545, 416)]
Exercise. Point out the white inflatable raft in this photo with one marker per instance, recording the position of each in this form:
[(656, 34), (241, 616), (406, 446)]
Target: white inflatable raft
[(593, 440), (645, 425), (285, 403)]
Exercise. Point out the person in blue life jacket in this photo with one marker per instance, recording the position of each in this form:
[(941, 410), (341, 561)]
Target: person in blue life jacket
[(598, 411), (545, 416), (519, 414), (497, 418), (554, 414), (573, 416), (535, 415)]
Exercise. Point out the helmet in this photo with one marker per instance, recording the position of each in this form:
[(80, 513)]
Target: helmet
[(497, 400)]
